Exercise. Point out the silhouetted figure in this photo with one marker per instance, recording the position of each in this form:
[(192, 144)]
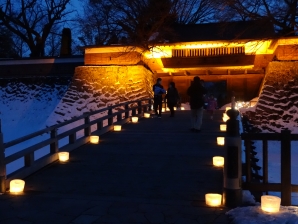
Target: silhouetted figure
[(172, 98), (158, 90), (196, 92)]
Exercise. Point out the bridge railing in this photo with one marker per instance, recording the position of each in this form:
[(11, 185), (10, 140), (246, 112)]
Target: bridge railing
[(285, 186), (101, 120)]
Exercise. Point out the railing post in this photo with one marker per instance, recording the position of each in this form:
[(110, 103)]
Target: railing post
[(87, 130), (110, 119), (72, 138), (247, 160), (99, 125), (29, 159), (232, 192), (54, 145), (2, 164), (126, 111), (139, 107), (286, 188), (119, 117)]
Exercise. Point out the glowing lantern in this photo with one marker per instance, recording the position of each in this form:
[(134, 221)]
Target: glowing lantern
[(270, 203), (168, 109), (213, 199), (63, 156), (223, 127), (146, 115), (16, 186), (175, 108), (182, 108), (94, 139), (163, 110), (218, 161), (134, 119), (220, 140), (225, 117), (228, 108), (117, 127)]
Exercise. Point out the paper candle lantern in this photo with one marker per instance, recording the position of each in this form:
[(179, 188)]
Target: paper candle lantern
[(117, 127), (220, 140), (182, 108), (17, 186), (134, 119), (218, 161), (163, 110), (94, 139), (175, 108), (167, 109), (223, 127), (225, 119), (63, 156), (146, 115), (270, 203), (213, 199), (228, 108)]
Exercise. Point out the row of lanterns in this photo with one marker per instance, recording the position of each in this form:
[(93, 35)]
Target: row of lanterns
[(17, 185), (213, 199), (269, 203)]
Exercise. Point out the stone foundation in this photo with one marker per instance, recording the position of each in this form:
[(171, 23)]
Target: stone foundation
[(95, 87), (277, 106)]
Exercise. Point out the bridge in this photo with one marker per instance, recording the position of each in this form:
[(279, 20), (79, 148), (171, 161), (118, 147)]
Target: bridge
[(153, 171)]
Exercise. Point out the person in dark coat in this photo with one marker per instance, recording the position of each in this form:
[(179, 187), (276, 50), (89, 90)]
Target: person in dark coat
[(172, 98), (196, 92), (158, 90)]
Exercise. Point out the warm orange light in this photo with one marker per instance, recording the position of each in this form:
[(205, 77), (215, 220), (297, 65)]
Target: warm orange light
[(213, 199), (94, 139), (16, 186), (223, 127), (117, 127), (63, 156), (270, 203), (134, 119), (220, 140), (146, 115), (218, 160)]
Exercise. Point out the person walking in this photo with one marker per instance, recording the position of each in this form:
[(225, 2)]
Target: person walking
[(212, 106), (158, 90), (172, 98), (196, 92)]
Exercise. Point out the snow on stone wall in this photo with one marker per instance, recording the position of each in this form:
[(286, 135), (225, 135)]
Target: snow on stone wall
[(277, 106), (32, 103), (95, 87)]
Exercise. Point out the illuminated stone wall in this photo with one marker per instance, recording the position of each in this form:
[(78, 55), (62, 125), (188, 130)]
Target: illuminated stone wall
[(278, 102), (95, 87)]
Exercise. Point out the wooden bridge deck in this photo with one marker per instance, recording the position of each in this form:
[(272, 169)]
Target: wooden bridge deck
[(156, 171)]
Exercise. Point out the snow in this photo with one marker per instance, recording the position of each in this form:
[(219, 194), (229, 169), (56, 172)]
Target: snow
[(255, 215)]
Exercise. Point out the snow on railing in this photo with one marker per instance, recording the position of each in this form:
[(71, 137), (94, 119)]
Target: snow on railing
[(103, 119)]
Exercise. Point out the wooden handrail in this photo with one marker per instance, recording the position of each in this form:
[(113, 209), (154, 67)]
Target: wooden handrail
[(32, 165), (285, 187)]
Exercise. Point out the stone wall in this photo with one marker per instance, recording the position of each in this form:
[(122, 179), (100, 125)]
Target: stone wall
[(120, 58), (95, 87), (277, 106)]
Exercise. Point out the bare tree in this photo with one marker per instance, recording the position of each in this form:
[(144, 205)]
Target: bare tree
[(194, 11), (32, 20), (95, 25), (282, 13), (141, 22)]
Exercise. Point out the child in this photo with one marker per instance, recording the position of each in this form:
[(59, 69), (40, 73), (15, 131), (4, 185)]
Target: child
[(212, 105)]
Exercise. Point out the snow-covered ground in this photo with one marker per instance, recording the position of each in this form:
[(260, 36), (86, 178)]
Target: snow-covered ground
[(253, 214)]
